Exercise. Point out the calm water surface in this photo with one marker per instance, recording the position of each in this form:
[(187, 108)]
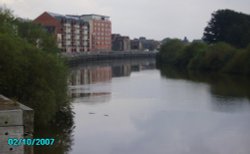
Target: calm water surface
[(133, 108)]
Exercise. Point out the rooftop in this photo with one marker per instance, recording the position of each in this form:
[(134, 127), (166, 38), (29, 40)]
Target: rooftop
[(95, 15)]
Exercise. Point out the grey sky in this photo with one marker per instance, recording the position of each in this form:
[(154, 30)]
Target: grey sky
[(155, 19)]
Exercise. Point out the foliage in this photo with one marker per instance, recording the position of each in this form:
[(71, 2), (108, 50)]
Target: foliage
[(170, 51), (227, 35), (213, 58), (220, 57), (191, 50), (34, 76), (230, 27), (6, 21), (240, 63), (36, 36)]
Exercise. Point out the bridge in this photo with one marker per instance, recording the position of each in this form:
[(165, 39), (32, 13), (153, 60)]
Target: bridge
[(78, 58)]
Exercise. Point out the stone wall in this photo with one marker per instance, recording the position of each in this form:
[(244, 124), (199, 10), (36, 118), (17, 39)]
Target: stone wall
[(16, 121)]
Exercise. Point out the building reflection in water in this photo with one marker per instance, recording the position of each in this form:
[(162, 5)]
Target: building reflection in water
[(91, 83), (120, 71)]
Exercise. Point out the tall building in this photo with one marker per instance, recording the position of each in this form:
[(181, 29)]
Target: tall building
[(120, 43), (76, 33), (100, 32)]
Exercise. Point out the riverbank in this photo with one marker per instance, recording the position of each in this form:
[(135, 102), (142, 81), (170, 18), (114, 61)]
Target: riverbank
[(74, 59), (199, 56)]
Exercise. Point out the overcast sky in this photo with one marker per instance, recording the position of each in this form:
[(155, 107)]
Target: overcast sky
[(155, 19)]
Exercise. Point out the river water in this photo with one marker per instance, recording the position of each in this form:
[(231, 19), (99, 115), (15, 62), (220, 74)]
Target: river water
[(131, 107)]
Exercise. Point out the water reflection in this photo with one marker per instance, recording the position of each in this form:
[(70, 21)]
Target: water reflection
[(164, 112), (91, 83), (221, 84), (61, 129), (120, 71), (229, 92)]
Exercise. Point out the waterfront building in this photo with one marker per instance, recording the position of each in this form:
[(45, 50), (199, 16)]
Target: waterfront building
[(149, 44), (136, 44), (100, 32), (144, 44), (78, 33), (120, 43)]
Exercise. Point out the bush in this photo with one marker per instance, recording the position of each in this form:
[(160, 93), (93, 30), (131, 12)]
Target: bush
[(189, 52), (170, 51), (219, 57), (240, 63), (214, 58)]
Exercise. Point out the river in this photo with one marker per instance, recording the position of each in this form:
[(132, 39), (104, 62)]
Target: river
[(131, 107)]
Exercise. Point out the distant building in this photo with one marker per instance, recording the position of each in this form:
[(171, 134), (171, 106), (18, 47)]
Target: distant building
[(149, 44), (120, 43), (76, 33), (136, 44), (144, 44)]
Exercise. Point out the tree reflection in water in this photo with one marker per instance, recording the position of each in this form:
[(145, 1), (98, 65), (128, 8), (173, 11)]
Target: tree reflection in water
[(222, 86), (60, 129)]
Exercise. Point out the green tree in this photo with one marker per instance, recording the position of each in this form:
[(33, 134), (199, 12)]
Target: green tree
[(214, 58), (36, 35), (170, 51), (228, 26), (31, 74), (240, 63), (189, 52)]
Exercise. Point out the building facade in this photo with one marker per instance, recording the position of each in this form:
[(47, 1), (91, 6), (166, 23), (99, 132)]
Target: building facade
[(120, 43), (100, 32), (144, 44), (78, 33), (136, 44)]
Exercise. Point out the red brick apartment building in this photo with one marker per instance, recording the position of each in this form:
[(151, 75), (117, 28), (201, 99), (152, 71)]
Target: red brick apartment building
[(100, 32), (78, 33)]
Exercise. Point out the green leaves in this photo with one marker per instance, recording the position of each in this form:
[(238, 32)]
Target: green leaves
[(228, 26), (36, 76), (219, 57)]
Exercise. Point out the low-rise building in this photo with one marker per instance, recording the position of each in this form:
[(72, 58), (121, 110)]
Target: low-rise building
[(120, 43), (136, 44), (144, 44)]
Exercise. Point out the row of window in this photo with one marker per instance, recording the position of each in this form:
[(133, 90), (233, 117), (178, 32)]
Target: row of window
[(103, 38), (102, 29), (102, 24), (103, 43), (75, 50), (102, 34), (74, 45), (74, 36)]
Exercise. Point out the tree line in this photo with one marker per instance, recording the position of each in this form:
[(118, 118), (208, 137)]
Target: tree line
[(225, 46)]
